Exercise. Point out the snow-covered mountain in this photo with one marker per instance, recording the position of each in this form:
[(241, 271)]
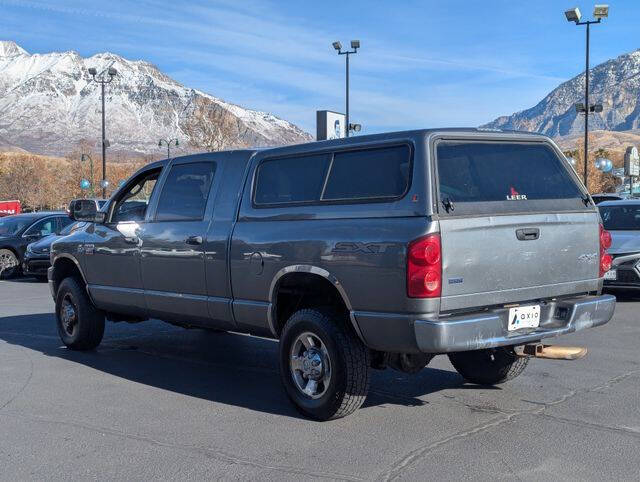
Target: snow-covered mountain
[(49, 104), (615, 84)]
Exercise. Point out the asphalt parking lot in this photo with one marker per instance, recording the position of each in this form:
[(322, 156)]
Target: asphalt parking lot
[(155, 401)]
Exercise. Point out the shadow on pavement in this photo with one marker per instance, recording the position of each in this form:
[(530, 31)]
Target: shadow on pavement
[(23, 279), (226, 368)]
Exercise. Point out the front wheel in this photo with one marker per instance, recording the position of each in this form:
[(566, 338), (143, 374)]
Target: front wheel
[(323, 365), (488, 367), (9, 264), (80, 324)]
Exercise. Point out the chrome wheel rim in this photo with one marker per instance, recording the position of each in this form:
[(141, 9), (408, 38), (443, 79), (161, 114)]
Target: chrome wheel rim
[(68, 315), (8, 263), (310, 365)]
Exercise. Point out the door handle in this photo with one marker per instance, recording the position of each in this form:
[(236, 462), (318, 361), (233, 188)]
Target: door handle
[(527, 234), (194, 240)]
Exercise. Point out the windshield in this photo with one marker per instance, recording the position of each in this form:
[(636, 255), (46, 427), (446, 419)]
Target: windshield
[(11, 226), (621, 218), (70, 228)]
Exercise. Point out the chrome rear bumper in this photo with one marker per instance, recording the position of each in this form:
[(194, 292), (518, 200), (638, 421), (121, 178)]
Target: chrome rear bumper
[(489, 329)]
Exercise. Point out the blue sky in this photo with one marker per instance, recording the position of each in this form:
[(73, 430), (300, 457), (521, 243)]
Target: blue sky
[(422, 63)]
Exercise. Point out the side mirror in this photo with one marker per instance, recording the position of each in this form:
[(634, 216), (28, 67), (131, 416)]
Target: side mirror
[(85, 210)]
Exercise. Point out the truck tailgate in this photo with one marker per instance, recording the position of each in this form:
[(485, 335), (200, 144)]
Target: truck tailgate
[(485, 262)]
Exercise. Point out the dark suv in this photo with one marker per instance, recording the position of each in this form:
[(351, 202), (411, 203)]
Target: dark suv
[(18, 231), (373, 251)]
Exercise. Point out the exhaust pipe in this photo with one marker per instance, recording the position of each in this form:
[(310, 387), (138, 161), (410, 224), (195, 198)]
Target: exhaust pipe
[(550, 352)]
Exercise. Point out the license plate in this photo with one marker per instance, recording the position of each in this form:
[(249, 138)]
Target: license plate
[(611, 274), (524, 317)]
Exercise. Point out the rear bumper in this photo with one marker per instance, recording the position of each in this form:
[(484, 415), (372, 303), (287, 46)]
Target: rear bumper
[(485, 329), (474, 332)]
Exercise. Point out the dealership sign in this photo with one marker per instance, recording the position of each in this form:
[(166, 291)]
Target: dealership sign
[(7, 208), (330, 125)]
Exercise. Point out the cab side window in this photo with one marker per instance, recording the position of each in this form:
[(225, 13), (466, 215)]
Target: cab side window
[(185, 192)]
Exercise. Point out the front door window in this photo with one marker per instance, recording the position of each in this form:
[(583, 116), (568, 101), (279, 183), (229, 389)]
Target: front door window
[(133, 203), (42, 228)]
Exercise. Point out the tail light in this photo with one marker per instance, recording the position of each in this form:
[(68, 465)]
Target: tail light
[(424, 267), (605, 258)]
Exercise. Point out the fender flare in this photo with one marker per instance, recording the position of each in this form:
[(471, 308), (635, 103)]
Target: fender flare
[(77, 264), (75, 261), (315, 270)]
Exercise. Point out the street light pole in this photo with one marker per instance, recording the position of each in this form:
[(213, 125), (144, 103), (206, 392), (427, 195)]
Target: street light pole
[(574, 15), (355, 45), (586, 102), (104, 146), (102, 80), (347, 93), (168, 143)]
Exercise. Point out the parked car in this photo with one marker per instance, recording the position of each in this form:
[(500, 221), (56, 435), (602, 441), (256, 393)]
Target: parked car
[(372, 251), (622, 220), (36, 259), (607, 196), (17, 231)]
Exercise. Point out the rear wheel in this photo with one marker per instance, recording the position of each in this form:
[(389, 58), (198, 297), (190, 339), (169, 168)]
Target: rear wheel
[(9, 264), (323, 365), (80, 324), (488, 367)]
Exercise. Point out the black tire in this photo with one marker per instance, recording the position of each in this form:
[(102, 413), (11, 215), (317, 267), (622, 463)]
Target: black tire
[(87, 327), (8, 256), (488, 367), (349, 364)]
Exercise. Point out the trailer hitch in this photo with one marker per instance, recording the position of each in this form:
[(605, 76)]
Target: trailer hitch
[(550, 352)]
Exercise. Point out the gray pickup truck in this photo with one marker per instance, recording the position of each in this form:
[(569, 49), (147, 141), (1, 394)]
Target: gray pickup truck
[(368, 252)]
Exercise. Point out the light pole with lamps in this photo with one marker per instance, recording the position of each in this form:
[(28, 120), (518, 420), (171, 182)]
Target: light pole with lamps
[(168, 142), (103, 80), (574, 15), (355, 45)]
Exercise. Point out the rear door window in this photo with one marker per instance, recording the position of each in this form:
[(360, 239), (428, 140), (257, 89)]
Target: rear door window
[(185, 192), (503, 177)]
